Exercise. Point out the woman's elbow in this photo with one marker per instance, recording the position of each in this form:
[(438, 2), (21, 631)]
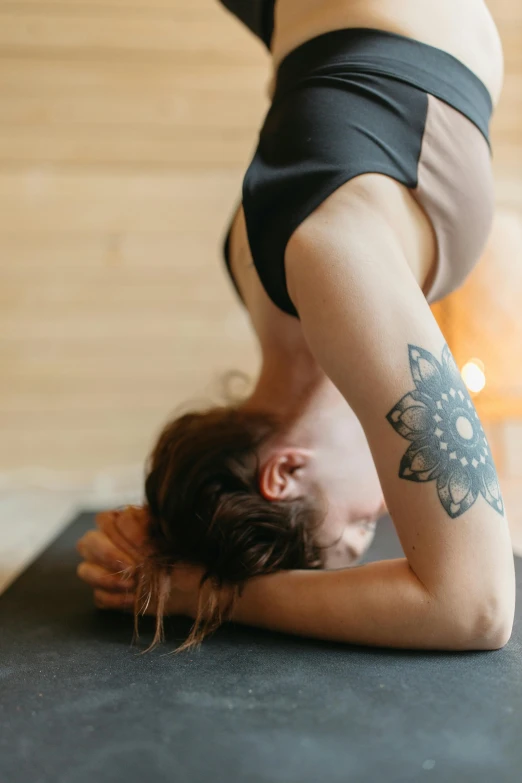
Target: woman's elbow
[(477, 610), (488, 625), (495, 624)]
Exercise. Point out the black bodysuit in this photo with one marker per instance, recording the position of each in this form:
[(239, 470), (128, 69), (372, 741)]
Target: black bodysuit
[(357, 100), (257, 15)]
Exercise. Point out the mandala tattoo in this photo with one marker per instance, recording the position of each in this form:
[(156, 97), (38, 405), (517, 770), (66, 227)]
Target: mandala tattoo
[(448, 443)]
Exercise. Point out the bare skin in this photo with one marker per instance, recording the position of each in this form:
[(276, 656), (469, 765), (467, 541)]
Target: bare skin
[(438, 24), (113, 551), (339, 371), (289, 369)]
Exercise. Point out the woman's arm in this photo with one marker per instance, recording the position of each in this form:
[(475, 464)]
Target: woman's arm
[(381, 604), (371, 329)]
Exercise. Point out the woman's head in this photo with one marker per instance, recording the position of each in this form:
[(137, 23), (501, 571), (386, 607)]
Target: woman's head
[(202, 490), (246, 488), (206, 508)]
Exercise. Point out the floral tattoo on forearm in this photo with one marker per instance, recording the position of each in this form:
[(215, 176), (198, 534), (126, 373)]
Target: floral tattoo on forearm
[(448, 443)]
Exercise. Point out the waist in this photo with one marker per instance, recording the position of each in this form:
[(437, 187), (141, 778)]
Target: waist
[(463, 28), (367, 50)]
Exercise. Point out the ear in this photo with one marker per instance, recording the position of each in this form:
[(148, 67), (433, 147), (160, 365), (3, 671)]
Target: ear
[(281, 476)]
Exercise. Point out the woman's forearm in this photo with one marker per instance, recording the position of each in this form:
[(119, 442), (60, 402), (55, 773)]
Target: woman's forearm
[(378, 604)]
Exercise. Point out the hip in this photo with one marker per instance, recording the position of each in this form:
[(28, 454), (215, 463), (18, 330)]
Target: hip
[(360, 101), (438, 25)]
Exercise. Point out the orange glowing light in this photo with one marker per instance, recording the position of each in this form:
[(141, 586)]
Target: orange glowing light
[(473, 375)]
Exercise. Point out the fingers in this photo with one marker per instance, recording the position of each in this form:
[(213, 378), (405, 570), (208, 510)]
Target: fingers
[(127, 529), (106, 597), (96, 547), (112, 553), (99, 578)]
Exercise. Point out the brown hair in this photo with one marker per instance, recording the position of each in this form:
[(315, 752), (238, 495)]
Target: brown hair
[(205, 508)]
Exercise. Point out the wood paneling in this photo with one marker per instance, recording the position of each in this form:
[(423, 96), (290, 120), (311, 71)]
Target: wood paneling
[(178, 147), (185, 36), (125, 128), (48, 199)]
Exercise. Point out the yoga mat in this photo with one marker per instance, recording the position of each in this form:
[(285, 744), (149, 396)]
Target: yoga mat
[(79, 705)]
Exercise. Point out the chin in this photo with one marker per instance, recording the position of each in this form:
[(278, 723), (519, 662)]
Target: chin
[(346, 558), (349, 550)]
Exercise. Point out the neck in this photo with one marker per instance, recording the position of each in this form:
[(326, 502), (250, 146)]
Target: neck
[(298, 391)]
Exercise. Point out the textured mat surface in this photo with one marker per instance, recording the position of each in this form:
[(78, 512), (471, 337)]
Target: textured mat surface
[(79, 705)]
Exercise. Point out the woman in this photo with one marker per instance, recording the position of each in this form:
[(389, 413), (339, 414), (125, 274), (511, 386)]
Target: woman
[(369, 196)]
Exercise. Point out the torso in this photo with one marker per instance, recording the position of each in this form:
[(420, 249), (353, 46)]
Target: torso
[(463, 28)]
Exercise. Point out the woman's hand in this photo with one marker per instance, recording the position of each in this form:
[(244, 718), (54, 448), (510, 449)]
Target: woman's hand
[(112, 555)]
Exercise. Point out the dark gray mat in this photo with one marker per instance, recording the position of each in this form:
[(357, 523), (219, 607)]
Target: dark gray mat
[(78, 705)]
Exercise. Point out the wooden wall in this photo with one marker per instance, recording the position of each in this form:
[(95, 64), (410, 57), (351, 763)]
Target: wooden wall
[(125, 128)]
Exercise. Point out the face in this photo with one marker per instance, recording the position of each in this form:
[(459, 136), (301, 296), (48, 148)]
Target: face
[(346, 472), (345, 543), (340, 464)]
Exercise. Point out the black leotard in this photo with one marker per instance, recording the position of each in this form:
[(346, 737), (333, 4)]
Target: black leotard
[(359, 100), (257, 15)]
